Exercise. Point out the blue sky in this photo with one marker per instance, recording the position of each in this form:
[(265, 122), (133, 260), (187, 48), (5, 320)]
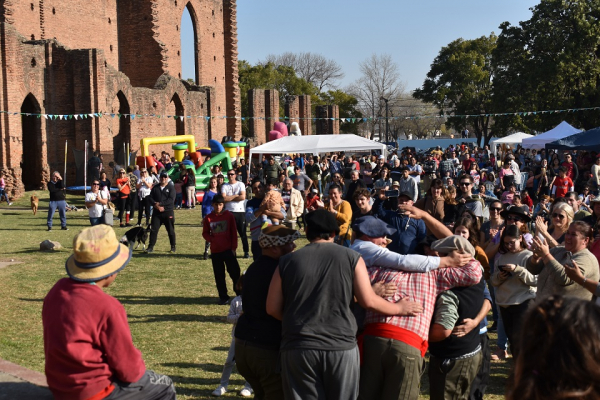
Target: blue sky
[(349, 31)]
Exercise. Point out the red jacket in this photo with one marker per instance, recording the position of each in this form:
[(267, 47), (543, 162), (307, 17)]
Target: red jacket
[(87, 341), (220, 231)]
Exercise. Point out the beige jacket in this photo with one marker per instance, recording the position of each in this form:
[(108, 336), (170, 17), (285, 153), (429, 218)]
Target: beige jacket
[(296, 205), (552, 278), (520, 286)]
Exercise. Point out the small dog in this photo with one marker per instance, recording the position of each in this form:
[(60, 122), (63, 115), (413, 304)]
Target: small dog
[(137, 235), (34, 204)]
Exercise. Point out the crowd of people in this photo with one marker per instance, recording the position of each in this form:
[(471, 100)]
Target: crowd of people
[(407, 254)]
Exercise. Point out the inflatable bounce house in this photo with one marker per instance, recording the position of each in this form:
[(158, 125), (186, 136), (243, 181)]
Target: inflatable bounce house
[(222, 154)]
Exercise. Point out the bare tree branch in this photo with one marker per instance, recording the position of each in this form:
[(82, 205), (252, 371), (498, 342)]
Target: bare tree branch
[(314, 68), (380, 79)]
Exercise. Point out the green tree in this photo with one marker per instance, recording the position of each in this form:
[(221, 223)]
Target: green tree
[(348, 105), (551, 61), (269, 76), (460, 83)]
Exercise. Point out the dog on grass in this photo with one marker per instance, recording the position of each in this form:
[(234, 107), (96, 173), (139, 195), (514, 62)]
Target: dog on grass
[(34, 203), (137, 236)]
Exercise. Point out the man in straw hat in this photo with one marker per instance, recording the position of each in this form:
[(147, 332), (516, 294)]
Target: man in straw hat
[(87, 342), (311, 292), (258, 335)]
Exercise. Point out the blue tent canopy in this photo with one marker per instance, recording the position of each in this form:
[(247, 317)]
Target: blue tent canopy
[(587, 140)]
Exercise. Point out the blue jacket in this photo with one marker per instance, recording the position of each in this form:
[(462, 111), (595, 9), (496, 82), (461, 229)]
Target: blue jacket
[(409, 231)]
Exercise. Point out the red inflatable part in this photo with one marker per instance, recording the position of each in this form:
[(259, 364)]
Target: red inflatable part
[(145, 162), (281, 127), (274, 135), (199, 196), (196, 158)]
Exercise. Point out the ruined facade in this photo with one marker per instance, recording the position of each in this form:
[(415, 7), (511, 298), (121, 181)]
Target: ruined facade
[(107, 58)]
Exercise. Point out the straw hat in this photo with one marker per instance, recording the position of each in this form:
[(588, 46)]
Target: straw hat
[(97, 254)]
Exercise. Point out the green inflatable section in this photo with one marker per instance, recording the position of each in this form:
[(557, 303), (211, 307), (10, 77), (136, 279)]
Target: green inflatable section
[(203, 172)]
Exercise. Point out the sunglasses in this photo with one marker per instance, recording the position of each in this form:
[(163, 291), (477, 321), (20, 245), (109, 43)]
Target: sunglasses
[(95, 184), (513, 218), (559, 216), (495, 208), (230, 174), (465, 184)]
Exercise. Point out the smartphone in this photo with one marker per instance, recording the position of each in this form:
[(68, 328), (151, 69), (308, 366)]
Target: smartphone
[(392, 193), (569, 258)]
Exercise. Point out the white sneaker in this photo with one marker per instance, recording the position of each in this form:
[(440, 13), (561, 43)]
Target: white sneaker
[(246, 392), (220, 391)]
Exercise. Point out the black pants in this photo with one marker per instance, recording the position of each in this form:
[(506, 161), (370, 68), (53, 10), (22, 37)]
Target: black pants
[(240, 223), (219, 262), (260, 367), (256, 250), (145, 206), (132, 204), (166, 218), (513, 316), (482, 379), (122, 203)]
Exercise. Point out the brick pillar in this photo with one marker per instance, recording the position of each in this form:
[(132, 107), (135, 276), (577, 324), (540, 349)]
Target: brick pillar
[(232, 87), (271, 109), (256, 111), (305, 115), (334, 112), (292, 109), (326, 126)]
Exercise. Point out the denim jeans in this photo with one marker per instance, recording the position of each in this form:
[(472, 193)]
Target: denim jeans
[(62, 212), (96, 220)]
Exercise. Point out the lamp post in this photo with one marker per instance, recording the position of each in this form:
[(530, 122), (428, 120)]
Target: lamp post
[(386, 118)]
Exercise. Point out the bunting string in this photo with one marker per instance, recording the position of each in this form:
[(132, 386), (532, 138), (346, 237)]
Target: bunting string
[(66, 117)]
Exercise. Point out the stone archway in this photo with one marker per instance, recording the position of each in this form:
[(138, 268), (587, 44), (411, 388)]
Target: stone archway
[(190, 51), (177, 110), (121, 130), (32, 174)]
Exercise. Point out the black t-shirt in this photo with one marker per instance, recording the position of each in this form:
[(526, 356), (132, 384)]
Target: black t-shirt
[(317, 283), (255, 325)]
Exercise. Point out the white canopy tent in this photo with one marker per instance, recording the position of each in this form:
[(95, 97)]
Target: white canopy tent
[(515, 138), (562, 130), (315, 144)]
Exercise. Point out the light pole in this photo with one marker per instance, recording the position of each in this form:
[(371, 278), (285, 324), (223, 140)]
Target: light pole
[(386, 118)]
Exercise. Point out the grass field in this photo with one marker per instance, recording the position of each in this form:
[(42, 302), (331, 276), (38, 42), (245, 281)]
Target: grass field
[(170, 299)]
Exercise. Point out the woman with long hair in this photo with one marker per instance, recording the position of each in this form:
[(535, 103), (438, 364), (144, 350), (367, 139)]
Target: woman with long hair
[(384, 178), (560, 218), (515, 285), (466, 228), (559, 357), (451, 207), (433, 202)]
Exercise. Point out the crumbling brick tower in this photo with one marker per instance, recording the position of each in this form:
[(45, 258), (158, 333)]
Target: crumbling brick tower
[(110, 57)]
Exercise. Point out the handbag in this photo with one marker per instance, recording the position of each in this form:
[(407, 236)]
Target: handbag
[(108, 216)]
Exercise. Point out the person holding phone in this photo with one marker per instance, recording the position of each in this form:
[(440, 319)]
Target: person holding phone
[(549, 263), (515, 285)]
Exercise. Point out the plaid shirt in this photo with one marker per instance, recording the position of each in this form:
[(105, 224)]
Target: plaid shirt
[(423, 288)]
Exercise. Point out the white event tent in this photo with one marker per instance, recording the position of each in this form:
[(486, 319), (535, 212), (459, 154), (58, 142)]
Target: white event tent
[(515, 138), (562, 130), (315, 144)]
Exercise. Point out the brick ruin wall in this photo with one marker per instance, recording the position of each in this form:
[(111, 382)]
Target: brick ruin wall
[(92, 66)]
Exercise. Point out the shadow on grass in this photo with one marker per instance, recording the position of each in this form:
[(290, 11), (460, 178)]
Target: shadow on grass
[(187, 381), (136, 319), (168, 300), (31, 300)]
